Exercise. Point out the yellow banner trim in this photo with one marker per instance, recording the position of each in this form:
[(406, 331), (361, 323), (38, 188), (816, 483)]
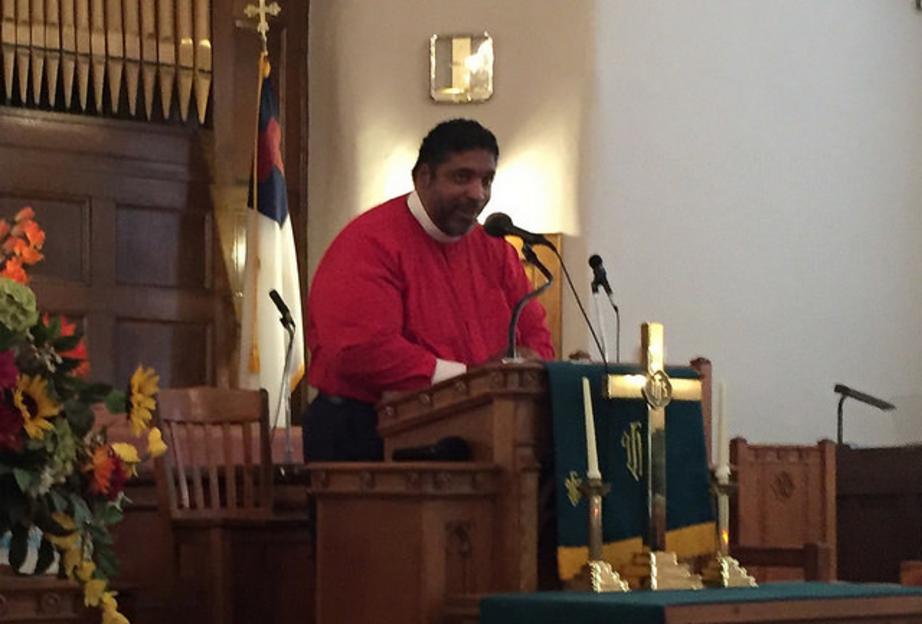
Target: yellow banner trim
[(691, 541)]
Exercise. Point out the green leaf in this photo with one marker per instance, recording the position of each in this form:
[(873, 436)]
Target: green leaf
[(66, 343), (19, 545), (45, 557), (110, 514), (106, 561), (95, 393), (24, 478), (54, 327), (101, 535), (39, 334), (82, 513), (80, 417), (58, 501), (117, 402)]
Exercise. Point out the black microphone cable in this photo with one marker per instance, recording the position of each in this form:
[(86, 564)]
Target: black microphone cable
[(582, 310), (600, 280)]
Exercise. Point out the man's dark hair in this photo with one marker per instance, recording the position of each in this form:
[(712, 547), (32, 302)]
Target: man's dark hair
[(451, 137)]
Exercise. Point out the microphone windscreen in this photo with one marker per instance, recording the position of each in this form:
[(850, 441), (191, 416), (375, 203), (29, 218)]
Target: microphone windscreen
[(498, 224), (595, 261)]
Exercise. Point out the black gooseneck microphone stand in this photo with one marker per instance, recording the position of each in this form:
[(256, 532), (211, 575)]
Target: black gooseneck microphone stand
[(532, 258)]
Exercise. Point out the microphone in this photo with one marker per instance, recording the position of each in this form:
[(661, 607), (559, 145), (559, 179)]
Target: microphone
[(599, 277), (286, 319), (451, 448), (500, 224), (845, 392)]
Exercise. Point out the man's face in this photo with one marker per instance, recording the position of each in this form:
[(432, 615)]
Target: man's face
[(455, 192)]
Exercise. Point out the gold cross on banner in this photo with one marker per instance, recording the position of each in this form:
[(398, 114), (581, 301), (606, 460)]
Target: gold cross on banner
[(262, 10), (658, 390)]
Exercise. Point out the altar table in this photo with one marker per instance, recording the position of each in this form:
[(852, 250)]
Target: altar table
[(774, 602)]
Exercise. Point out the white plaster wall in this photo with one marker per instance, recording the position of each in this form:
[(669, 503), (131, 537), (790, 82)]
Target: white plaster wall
[(757, 187), (370, 105), (750, 171)]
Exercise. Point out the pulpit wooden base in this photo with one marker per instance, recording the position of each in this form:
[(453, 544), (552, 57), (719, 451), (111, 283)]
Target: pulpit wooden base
[(393, 540)]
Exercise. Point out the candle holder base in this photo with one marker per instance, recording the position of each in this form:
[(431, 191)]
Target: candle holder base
[(598, 577), (725, 571), (660, 570)]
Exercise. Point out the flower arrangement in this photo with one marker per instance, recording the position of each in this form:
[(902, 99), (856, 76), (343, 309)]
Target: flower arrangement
[(58, 473)]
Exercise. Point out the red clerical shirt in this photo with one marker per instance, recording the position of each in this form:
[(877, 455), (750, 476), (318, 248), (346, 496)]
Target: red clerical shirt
[(388, 299)]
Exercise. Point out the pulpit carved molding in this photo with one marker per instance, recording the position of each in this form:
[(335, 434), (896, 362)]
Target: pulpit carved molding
[(405, 479)]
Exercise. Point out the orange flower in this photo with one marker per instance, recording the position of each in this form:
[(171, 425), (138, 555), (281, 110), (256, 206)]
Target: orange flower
[(34, 234), (108, 472), (69, 328), (13, 270), (4, 228), (24, 213)]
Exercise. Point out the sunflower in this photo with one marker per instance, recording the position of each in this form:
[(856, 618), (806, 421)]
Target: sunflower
[(155, 444), (143, 388), (35, 406)]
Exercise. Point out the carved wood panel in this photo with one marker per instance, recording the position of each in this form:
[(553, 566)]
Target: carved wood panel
[(786, 498)]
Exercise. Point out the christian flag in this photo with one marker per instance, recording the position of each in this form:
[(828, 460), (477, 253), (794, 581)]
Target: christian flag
[(271, 264)]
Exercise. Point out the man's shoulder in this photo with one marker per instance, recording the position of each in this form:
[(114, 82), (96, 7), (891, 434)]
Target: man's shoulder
[(380, 219)]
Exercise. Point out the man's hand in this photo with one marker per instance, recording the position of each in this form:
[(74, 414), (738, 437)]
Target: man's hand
[(522, 352)]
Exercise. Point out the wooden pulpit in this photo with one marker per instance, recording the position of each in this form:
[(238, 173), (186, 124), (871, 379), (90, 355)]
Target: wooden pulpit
[(394, 539)]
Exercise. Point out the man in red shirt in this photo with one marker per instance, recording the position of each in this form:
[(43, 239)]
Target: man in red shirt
[(413, 292)]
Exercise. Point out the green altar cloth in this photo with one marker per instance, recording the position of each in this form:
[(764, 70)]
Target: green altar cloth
[(647, 607), (619, 424)]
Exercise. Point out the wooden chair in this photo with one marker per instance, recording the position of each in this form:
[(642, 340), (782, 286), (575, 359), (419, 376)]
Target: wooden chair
[(786, 500), (216, 482)]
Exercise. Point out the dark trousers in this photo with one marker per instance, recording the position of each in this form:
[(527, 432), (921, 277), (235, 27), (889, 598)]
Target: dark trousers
[(341, 429)]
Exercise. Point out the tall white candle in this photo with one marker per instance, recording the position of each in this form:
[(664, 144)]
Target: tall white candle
[(592, 457), (723, 442)]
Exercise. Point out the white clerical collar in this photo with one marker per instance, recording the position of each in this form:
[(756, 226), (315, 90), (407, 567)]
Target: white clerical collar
[(417, 210)]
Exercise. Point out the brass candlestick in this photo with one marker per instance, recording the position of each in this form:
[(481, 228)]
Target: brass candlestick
[(596, 575), (723, 570)]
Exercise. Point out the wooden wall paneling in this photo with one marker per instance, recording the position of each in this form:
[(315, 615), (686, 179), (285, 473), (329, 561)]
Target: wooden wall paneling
[(879, 496), (130, 239), (163, 247), (66, 221)]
